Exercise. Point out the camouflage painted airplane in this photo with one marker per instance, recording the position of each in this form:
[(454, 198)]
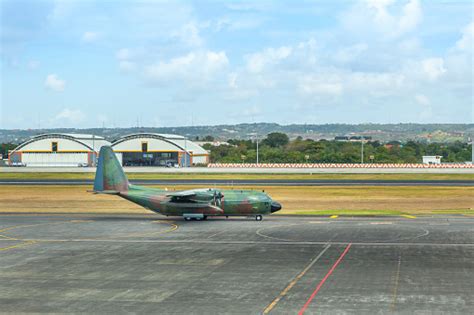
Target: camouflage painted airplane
[(191, 204)]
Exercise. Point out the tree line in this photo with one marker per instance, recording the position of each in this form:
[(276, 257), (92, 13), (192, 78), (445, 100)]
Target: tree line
[(278, 148)]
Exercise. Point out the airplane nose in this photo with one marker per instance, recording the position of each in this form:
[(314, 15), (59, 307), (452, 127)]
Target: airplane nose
[(275, 206)]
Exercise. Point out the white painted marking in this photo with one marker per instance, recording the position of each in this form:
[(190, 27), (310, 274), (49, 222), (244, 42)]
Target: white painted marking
[(246, 242)]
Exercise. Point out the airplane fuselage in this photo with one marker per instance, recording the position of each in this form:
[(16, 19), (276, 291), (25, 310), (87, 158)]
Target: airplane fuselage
[(229, 203)]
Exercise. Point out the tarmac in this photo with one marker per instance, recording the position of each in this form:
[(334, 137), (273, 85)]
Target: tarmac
[(250, 182), (282, 265)]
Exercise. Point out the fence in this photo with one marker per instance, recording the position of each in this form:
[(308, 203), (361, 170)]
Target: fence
[(338, 165)]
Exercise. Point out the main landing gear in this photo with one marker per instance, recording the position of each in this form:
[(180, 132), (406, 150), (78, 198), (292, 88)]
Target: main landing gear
[(194, 216), (258, 217)]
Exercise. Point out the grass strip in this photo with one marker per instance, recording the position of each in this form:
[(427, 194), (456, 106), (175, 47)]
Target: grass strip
[(304, 200)]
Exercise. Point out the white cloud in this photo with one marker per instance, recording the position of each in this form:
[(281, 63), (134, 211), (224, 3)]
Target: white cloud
[(256, 62), (239, 89), (195, 66), (467, 39), (317, 86), (332, 82), (128, 58), (433, 68), (71, 115), (412, 16), (62, 10), (89, 37), (123, 54), (425, 113), (350, 53), (189, 35), (251, 111), (52, 82), (409, 45), (238, 23), (232, 79), (422, 99), (381, 16)]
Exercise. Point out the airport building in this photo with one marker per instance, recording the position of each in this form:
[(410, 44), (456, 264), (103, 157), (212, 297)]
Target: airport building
[(152, 149), (432, 159), (57, 149), (141, 149)]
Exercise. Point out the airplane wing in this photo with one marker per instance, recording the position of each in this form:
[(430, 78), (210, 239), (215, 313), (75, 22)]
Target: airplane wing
[(204, 196), (182, 194)]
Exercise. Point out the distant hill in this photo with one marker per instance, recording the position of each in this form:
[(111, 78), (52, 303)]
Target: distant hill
[(381, 132)]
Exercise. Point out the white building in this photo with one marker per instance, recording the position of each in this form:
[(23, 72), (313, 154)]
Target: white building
[(58, 149), (152, 149), (432, 159)]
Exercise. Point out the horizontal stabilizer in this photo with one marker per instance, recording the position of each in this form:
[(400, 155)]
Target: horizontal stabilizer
[(105, 192)]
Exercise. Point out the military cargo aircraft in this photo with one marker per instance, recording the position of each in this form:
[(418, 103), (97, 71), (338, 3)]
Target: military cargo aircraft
[(191, 204)]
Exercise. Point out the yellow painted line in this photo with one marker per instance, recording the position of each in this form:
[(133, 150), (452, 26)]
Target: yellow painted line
[(174, 227), (294, 281), (30, 225), (396, 285), (30, 242), (8, 237), (18, 245), (408, 216), (334, 216)]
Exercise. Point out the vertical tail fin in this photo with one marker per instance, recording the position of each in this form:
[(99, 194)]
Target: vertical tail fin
[(109, 176)]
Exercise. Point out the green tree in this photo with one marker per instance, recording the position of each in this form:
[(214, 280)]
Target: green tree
[(208, 138), (276, 139), (5, 147)]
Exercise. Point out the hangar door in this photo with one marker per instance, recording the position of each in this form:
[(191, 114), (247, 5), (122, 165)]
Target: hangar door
[(55, 159), (149, 158)]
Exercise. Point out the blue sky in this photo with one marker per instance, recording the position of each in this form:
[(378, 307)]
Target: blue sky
[(92, 63)]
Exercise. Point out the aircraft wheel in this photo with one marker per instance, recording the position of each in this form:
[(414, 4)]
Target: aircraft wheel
[(258, 217)]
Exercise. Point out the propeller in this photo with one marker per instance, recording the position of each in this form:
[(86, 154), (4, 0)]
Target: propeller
[(217, 198)]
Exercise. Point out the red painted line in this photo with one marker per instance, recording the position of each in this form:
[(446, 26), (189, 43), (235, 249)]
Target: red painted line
[(320, 284)]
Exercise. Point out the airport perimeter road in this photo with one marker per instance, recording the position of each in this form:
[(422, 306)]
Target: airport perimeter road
[(251, 182), (282, 265), (241, 170)]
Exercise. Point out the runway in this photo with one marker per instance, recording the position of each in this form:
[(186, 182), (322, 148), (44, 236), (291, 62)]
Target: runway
[(251, 182), (311, 265)]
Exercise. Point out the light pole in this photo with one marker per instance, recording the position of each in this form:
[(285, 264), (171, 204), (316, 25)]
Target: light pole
[(472, 150), (94, 157), (257, 148), (254, 134), (185, 152)]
